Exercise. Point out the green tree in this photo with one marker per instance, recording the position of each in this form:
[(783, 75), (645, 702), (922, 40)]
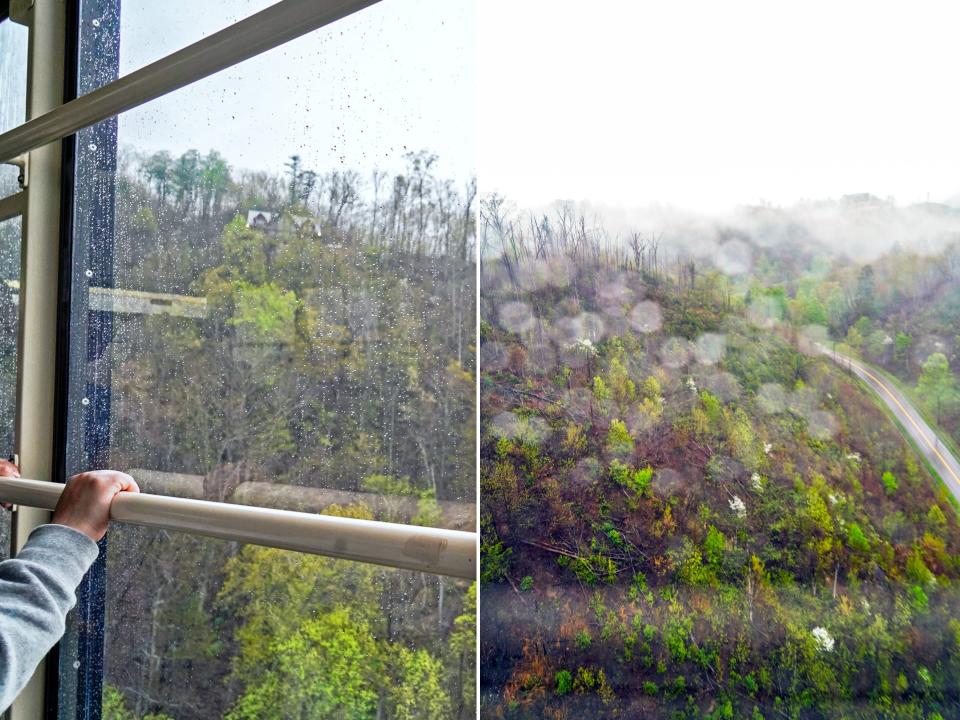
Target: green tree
[(856, 539), (714, 546), (889, 481), (328, 667), (157, 170), (463, 645), (416, 690), (264, 314), (245, 252), (622, 388), (114, 707), (918, 571), (902, 349), (619, 440), (854, 338), (936, 520), (937, 386)]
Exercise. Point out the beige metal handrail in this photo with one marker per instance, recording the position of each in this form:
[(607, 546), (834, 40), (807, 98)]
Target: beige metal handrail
[(411, 547)]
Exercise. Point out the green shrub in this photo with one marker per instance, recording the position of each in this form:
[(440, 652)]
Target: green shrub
[(918, 598), (585, 681), (714, 545), (619, 439), (856, 539), (936, 520), (593, 568), (564, 682), (637, 481), (494, 561), (889, 482), (918, 571), (526, 584)]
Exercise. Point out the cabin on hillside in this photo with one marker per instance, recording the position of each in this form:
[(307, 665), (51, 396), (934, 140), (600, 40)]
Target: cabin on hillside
[(270, 222)]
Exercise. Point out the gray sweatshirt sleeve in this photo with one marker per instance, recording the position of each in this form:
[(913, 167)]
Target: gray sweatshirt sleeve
[(36, 591)]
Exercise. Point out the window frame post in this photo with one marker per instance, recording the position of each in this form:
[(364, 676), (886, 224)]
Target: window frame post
[(37, 345)]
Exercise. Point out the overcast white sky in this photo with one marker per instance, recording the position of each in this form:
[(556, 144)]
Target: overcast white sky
[(705, 105), (394, 77)]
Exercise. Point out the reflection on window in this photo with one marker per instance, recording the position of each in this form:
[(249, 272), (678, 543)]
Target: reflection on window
[(279, 311), (13, 91), (10, 232)]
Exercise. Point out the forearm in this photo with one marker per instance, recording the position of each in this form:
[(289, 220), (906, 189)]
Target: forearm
[(37, 589)]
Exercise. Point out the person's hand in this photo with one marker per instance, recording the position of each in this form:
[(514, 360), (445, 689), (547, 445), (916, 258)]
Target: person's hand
[(85, 502), (8, 469)]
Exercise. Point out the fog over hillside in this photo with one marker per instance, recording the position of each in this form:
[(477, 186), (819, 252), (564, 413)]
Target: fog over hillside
[(858, 227)]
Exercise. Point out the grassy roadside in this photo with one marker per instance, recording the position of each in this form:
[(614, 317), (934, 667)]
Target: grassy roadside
[(945, 490), (945, 438)]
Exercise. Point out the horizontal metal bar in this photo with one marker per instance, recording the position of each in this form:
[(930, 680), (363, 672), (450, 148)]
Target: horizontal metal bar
[(258, 33), (411, 547), (12, 205)]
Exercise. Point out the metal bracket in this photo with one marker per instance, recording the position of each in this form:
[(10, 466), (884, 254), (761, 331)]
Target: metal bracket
[(15, 459), (21, 11), (22, 162)]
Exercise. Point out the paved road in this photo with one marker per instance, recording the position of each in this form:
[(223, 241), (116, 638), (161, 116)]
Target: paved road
[(939, 457)]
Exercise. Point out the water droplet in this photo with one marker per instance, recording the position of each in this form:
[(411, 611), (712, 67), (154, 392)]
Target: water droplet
[(89, 273), (675, 352), (645, 317), (91, 147), (710, 348), (85, 401), (517, 317), (76, 664), (96, 23)]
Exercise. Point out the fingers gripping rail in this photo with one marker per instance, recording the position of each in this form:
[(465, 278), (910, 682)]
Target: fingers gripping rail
[(411, 547)]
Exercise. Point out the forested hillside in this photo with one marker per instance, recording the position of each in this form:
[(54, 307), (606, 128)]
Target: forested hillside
[(333, 349), (686, 511)]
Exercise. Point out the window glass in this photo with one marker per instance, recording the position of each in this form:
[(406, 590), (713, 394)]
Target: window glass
[(183, 23), (13, 91), (274, 305), (292, 300), (263, 633), (9, 296)]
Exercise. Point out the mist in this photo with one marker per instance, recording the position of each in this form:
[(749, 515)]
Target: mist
[(857, 227)]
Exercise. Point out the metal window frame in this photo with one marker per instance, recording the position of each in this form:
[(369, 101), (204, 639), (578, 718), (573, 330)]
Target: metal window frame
[(48, 254), (40, 252), (13, 205), (85, 343)]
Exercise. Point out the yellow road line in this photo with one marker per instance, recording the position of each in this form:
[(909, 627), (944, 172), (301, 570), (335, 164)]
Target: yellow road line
[(906, 412)]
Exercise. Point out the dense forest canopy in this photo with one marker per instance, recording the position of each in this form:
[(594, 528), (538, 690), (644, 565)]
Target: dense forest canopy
[(687, 510), (334, 351)]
